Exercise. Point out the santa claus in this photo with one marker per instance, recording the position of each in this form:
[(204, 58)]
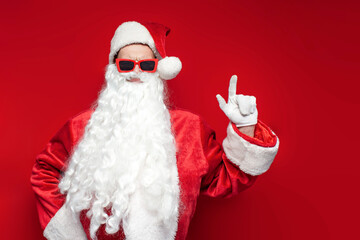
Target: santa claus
[(133, 168)]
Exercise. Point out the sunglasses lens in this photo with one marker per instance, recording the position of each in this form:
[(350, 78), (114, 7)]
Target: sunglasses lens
[(126, 65), (147, 65)]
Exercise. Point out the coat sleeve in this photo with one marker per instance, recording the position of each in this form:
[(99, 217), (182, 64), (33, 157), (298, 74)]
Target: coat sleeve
[(235, 165), (57, 221), (47, 171)]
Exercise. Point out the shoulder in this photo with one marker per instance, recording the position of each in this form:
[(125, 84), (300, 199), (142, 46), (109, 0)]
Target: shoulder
[(81, 119), (179, 114), (75, 126), (186, 121)]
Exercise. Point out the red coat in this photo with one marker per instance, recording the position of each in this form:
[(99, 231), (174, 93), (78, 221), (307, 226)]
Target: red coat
[(204, 166)]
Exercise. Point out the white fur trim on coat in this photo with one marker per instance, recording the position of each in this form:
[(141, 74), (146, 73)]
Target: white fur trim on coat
[(251, 158), (64, 226)]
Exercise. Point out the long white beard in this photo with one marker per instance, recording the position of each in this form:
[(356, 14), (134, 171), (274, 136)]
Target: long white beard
[(126, 161)]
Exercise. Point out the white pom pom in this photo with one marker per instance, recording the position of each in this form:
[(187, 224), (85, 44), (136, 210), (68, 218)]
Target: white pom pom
[(169, 67)]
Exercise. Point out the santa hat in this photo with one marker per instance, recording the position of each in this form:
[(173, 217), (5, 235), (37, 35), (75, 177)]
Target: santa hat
[(151, 34)]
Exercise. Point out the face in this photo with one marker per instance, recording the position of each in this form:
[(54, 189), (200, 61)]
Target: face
[(136, 52)]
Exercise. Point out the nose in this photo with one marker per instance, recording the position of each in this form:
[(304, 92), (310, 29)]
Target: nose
[(137, 69)]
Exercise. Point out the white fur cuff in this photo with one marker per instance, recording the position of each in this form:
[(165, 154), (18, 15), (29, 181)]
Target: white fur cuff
[(64, 226), (251, 158)]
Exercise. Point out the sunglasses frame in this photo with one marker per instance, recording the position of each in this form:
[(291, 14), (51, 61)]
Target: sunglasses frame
[(136, 63)]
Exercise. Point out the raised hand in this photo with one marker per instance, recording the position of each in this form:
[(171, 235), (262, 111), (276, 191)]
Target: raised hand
[(240, 109)]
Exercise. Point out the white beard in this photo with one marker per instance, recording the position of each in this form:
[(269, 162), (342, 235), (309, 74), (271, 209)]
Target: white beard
[(126, 161)]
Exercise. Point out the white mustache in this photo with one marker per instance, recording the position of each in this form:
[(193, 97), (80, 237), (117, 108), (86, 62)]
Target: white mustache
[(130, 75)]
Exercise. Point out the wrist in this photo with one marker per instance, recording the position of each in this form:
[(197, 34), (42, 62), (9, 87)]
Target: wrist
[(248, 130)]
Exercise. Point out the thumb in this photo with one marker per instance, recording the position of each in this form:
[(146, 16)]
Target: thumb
[(221, 101)]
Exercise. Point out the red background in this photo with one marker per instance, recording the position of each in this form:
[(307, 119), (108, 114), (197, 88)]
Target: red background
[(299, 58)]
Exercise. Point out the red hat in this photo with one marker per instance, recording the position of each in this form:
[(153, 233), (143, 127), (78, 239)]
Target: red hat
[(151, 34)]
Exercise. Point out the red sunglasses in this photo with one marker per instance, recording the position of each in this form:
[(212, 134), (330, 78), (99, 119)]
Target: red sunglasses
[(127, 65)]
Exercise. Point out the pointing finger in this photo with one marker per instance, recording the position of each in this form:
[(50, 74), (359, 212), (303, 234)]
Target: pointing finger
[(232, 86), (221, 101)]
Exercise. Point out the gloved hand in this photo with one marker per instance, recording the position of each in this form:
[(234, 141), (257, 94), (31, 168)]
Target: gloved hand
[(240, 109)]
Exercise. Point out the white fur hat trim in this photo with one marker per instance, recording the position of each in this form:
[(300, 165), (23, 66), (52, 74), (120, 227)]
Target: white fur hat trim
[(130, 33)]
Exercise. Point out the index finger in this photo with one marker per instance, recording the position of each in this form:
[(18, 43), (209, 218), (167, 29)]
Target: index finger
[(232, 86)]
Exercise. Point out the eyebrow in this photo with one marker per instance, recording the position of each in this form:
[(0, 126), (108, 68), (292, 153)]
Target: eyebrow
[(142, 57)]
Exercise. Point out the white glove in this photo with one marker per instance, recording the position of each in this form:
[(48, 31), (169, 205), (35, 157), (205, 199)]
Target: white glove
[(240, 109)]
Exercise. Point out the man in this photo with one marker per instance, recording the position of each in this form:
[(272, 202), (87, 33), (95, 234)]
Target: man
[(133, 168)]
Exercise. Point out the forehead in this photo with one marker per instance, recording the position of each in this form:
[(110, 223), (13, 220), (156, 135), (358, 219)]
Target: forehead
[(136, 52)]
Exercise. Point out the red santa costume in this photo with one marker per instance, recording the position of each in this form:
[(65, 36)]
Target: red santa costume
[(132, 168)]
